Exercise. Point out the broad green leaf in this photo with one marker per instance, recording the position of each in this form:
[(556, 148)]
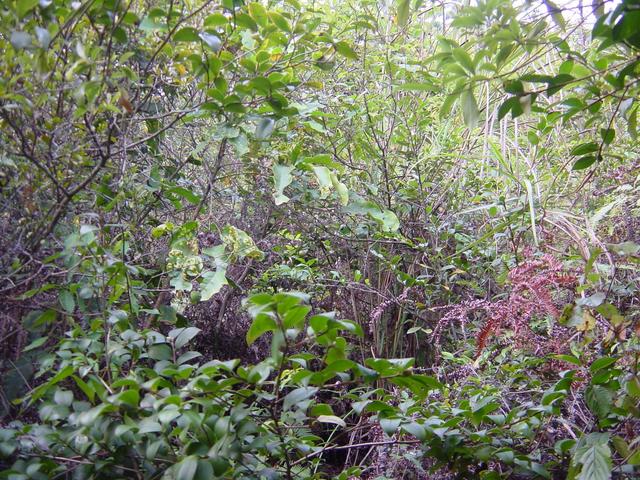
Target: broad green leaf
[(607, 134), (390, 425), (632, 122), (65, 297), (86, 388), (182, 336), (43, 36), (25, 6), (186, 468), (211, 40), (37, 343), (180, 283), (245, 21), (470, 110), (259, 14), (280, 22), (63, 397), (463, 58), (186, 194), (417, 87), (403, 11), (344, 49), (186, 34), (594, 456), (447, 105), (212, 283), (323, 174), (584, 162), (205, 470), (128, 397), (262, 324), (601, 363), (239, 244), (281, 178), (264, 128), (341, 189), (584, 148), (297, 395), (415, 429), (387, 219), (510, 105), (20, 40), (331, 419), (215, 20), (556, 13), (599, 400), (322, 159)]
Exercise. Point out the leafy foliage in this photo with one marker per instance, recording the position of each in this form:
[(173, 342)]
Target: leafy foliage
[(196, 195)]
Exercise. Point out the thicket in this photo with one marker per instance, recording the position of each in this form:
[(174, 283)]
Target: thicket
[(317, 239)]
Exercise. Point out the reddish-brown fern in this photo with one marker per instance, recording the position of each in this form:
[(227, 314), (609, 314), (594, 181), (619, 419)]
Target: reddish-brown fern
[(532, 285)]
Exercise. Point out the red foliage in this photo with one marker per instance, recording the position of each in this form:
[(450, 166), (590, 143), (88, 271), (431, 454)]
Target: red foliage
[(531, 295)]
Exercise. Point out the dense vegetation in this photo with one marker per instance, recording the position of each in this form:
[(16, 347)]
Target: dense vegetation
[(295, 239)]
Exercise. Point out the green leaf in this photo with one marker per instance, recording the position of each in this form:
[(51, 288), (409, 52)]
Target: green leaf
[(63, 397), (239, 244), (512, 105), (584, 148), (35, 344), (417, 87), (186, 469), (281, 178), (262, 324), (463, 58), (20, 40), (601, 363), (182, 336), (279, 21), (632, 122), (215, 20), (341, 189), (568, 358), (594, 456), (344, 49), (296, 396), (65, 297), (390, 425), (584, 162), (212, 41), (245, 21), (403, 11), (556, 13), (186, 34), (515, 87), (264, 128), (607, 134), (205, 470), (258, 13), (186, 194), (447, 105), (416, 430), (633, 387), (470, 110), (25, 6), (88, 390), (212, 283), (387, 219), (599, 400), (331, 419), (127, 397), (323, 174)]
